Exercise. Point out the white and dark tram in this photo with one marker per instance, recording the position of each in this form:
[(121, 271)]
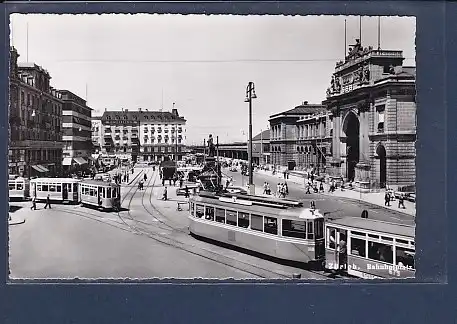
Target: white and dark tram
[(18, 188), (281, 229), (101, 194), (58, 189), (370, 249)]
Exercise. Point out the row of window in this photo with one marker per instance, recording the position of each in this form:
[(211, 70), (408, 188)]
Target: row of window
[(377, 248), (102, 192), (290, 228), (15, 186)]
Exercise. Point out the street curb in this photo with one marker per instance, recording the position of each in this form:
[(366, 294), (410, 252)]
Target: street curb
[(22, 221)]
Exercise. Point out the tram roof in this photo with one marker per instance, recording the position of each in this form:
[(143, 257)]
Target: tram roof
[(99, 183), (375, 225), (260, 206), (55, 180)]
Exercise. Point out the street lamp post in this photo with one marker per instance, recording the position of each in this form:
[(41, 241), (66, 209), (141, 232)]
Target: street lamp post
[(250, 94)]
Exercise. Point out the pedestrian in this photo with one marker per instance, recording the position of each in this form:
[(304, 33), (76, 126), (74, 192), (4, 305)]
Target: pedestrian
[(48, 202), (145, 177), (227, 183), (186, 192), (163, 181), (278, 190), (321, 187), (264, 187), (33, 203), (387, 199), (165, 194), (308, 189), (312, 177), (401, 201), (268, 189), (286, 189)]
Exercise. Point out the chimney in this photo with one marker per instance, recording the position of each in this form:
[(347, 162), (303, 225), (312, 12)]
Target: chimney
[(174, 111), (106, 109), (305, 103), (126, 110), (139, 109), (122, 109)]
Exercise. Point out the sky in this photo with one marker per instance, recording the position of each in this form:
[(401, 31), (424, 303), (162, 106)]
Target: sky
[(201, 63)]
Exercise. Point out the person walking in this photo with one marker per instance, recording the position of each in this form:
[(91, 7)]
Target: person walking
[(321, 187), (387, 199), (48, 202), (401, 201), (165, 194), (286, 189), (186, 192), (145, 177), (268, 189), (33, 207)]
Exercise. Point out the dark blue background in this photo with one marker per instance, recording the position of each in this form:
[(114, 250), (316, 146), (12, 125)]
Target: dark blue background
[(431, 298)]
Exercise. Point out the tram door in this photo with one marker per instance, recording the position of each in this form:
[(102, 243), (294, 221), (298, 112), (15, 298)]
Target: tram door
[(336, 248), (75, 191), (65, 188), (33, 189)]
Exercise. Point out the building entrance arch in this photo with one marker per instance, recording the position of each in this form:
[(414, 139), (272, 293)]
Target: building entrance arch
[(351, 127), (381, 153)]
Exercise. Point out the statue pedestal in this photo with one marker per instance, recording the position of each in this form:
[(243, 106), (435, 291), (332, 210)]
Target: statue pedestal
[(251, 189), (362, 177)]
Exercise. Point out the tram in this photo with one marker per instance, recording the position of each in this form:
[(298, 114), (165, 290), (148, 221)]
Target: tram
[(18, 188), (370, 249), (58, 189), (282, 229), (102, 194)]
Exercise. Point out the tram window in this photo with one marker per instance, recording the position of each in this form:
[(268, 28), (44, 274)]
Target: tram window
[(52, 188), (380, 252), (257, 223), (75, 187), (358, 233), (20, 186), (209, 213), (319, 228), (373, 236), (243, 219), (59, 188), (38, 187), (385, 238), (310, 230), (358, 247), (292, 228), (231, 217), (220, 215), (45, 187), (12, 186), (402, 241), (404, 257), (331, 237), (270, 225), (108, 193), (200, 211)]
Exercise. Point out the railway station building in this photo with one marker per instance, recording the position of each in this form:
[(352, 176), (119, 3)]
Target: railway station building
[(372, 106)]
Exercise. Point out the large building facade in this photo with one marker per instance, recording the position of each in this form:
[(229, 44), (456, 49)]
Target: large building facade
[(35, 110), (76, 125), (143, 136), (286, 137), (372, 104), (97, 134)]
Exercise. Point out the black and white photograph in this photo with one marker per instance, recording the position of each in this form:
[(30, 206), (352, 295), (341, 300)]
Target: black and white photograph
[(166, 146)]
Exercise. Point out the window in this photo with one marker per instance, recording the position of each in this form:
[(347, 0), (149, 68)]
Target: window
[(199, 211), (220, 215), (11, 186), (295, 229), (108, 192), (45, 188), (380, 252), (231, 217), (20, 186), (358, 247), (52, 188), (270, 225), (310, 230), (319, 228), (59, 188), (380, 117), (243, 220), (404, 257), (209, 214), (257, 223)]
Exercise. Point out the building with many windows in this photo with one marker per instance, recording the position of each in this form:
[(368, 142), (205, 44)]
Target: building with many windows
[(261, 148), (97, 134), (35, 110), (284, 134), (143, 135), (372, 101), (77, 135)]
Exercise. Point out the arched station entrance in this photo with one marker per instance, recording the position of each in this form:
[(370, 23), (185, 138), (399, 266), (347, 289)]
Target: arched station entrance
[(351, 128), (381, 154)]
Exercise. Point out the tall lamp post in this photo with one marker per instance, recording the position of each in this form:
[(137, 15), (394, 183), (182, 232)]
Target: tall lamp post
[(250, 94)]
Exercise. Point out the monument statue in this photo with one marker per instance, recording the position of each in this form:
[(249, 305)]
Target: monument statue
[(211, 148)]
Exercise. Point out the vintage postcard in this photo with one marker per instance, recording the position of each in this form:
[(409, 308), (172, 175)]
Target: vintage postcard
[(211, 146)]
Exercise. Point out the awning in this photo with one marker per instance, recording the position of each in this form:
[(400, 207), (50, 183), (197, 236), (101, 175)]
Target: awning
[(40, 168), (67, 161), (80, 160)]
